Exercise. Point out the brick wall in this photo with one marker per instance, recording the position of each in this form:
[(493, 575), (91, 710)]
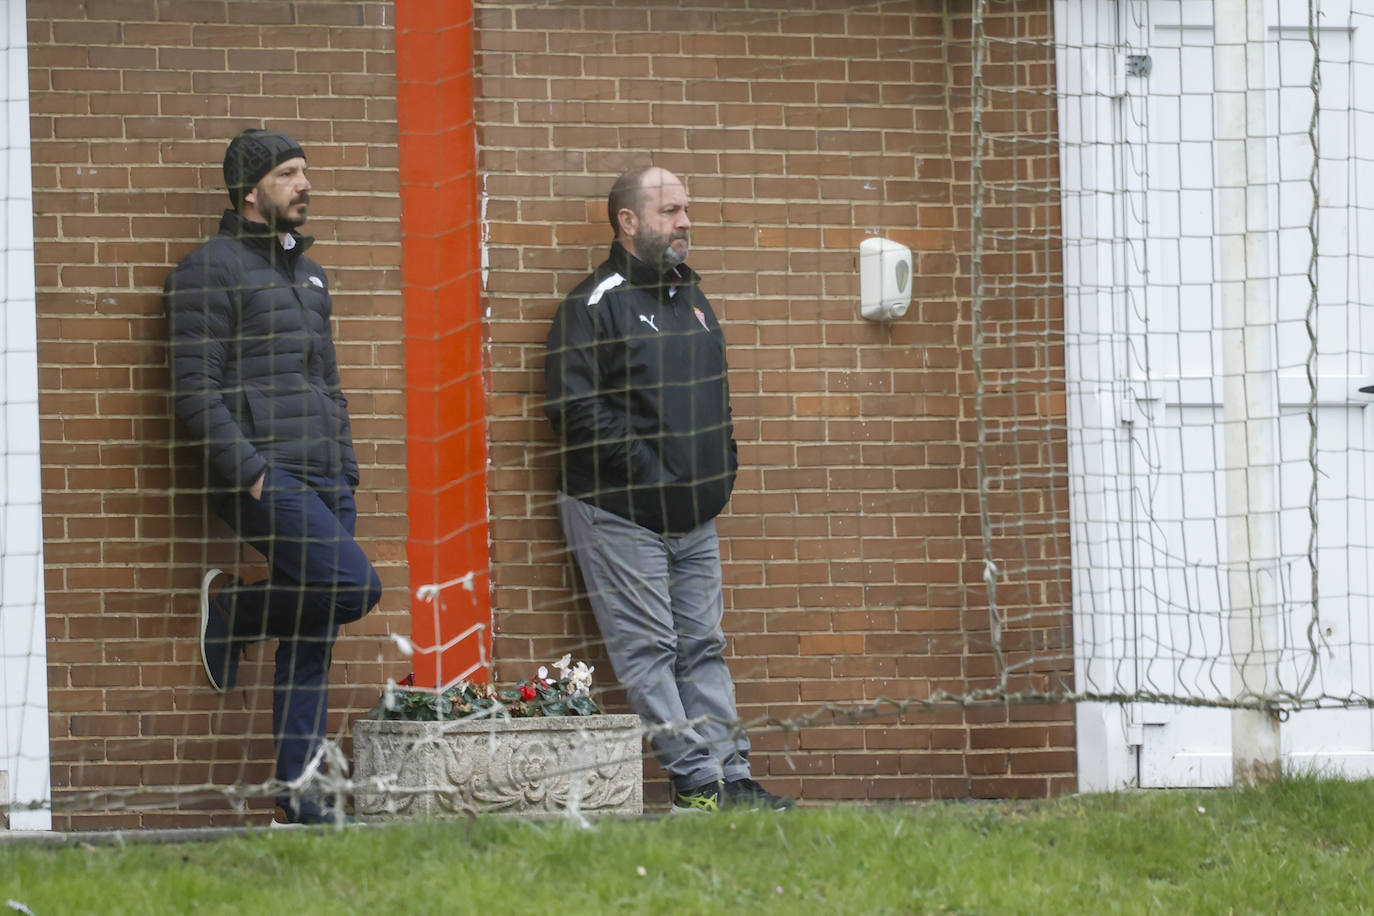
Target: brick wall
[(133, 102), (853, 549), (853, 553)]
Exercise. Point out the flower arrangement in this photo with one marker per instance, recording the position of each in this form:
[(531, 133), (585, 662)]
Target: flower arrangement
[(569, 694)]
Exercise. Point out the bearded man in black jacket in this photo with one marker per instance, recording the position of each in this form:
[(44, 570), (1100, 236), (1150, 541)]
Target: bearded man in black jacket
[(256, 388), (636, 387)]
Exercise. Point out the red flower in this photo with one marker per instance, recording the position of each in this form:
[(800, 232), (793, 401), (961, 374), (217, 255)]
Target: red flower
[(527, 692)]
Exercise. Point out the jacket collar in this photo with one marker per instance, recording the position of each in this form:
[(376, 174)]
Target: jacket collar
[(260, 236), (646, 276)]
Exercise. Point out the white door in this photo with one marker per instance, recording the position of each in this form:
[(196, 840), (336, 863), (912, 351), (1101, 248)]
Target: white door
[(1166, 612)]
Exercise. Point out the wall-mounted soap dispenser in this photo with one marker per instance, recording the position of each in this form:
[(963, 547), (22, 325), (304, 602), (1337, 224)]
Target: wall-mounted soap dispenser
[(884, 279)]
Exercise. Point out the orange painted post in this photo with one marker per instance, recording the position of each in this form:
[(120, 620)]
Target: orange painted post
[(446, 429)]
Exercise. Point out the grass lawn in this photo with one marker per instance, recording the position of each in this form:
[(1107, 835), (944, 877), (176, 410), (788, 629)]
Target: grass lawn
[(1301, 846)]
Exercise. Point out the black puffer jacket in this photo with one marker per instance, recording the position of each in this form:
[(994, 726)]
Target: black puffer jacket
[(254, 376), (637, 392)]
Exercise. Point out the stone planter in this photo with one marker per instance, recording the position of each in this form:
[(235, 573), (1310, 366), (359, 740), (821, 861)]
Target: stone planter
[(505, 766)]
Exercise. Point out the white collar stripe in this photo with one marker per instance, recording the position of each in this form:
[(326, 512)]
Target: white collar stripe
[(609, 283)]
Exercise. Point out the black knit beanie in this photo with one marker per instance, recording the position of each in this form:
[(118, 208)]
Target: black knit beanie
[(251, 155)]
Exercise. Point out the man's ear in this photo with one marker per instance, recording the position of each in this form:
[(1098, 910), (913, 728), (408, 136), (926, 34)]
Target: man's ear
[(252, 196), (629, 221)]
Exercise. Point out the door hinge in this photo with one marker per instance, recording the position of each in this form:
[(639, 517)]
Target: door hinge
[(1139, 65), (1129, 408)]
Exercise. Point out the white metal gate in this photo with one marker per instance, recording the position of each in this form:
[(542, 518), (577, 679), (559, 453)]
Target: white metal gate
[(1146, 190)]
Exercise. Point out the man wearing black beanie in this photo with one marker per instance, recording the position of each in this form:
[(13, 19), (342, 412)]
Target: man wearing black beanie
[(256, 388)]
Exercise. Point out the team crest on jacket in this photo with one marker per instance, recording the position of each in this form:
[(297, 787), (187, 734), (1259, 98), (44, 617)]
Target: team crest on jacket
[(701, 316)]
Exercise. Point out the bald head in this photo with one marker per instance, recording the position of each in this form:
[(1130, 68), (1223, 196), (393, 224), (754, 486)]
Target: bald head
[(648, 210)]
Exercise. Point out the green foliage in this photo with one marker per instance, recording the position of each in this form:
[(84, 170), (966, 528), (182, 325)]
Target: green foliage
[(1300, 846)]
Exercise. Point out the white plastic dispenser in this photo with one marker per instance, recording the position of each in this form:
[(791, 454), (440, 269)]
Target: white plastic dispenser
[(884, 279)]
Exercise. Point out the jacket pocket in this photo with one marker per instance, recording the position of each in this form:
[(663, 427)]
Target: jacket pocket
[(259, 414)]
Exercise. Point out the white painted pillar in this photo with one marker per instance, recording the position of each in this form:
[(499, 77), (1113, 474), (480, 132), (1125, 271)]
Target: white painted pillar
[(24, 759), (1250, 385)]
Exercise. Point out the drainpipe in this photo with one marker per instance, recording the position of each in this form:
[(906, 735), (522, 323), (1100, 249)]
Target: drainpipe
[(446, 427)]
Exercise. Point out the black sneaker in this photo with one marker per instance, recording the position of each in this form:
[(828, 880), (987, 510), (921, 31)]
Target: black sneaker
[(701, 800), (219, 651), (324, 818), (313, 812), (745, 793)]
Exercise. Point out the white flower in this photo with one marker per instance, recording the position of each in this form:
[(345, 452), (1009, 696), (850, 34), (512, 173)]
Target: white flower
[(562, 665), (543, 673), (581, 680)]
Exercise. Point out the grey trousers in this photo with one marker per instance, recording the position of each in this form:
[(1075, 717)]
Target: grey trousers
[(659, 604)]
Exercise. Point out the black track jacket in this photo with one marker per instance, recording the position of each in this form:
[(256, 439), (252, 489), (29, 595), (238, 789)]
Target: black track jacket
[(636, 391), (254, 377)]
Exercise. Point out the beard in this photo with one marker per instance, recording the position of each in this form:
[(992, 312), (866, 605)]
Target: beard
[(659, 249), (282, 220)]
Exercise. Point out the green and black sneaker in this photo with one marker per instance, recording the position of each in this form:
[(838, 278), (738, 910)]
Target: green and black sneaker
[(701, 800)]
